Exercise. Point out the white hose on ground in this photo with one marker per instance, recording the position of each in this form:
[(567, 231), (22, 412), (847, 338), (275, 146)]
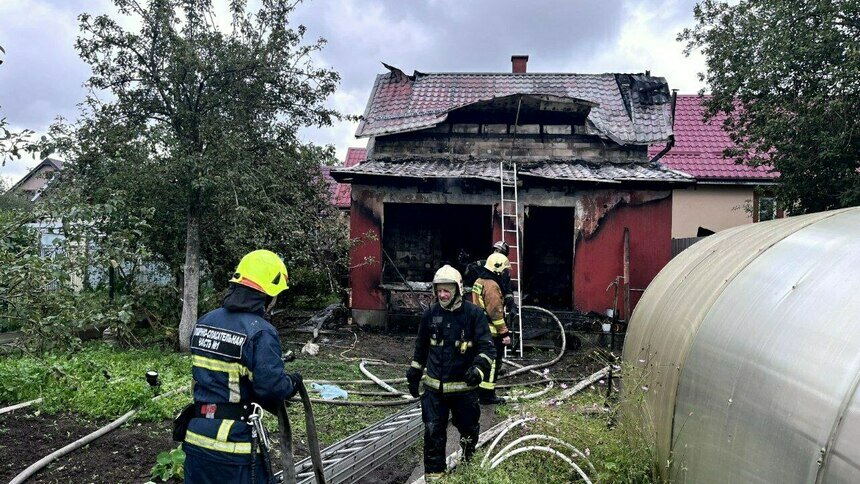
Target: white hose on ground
[(44, 461), (355, 403), (547, 363), (17, 406), (454, 457), (548, 450), (500, 454), (363, 367), (545, 373), (356, 382), (517, 398), (502, 434)]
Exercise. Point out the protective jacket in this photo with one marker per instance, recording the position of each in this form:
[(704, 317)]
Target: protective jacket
[(236, 358), (449, 343), (487, 294)]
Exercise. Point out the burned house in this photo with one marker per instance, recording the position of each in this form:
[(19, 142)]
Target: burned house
[(440, 146)]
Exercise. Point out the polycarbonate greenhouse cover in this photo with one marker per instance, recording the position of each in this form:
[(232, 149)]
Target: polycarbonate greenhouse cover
[(746, 349)]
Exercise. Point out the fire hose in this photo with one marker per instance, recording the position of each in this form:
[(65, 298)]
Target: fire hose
[(287, 461), (286, 431)]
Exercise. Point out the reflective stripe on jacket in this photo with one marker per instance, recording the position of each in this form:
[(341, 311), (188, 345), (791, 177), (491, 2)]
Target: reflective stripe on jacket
[(487, 294), (450, 342), (236, 358)]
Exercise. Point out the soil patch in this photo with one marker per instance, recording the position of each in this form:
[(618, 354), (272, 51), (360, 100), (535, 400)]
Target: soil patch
[(124, 455), (128, 453)]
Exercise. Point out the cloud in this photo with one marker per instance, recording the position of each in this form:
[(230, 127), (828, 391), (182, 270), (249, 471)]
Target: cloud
[(42, 75), (648, 42)]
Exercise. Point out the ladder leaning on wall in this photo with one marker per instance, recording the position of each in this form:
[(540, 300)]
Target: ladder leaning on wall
[(509, 208), (510, 217)]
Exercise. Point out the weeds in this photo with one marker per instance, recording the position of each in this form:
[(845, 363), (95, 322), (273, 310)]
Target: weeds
[(616, 444), (98, 382), (169, 464)]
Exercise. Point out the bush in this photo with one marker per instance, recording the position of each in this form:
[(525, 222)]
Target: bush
[(311, 289)]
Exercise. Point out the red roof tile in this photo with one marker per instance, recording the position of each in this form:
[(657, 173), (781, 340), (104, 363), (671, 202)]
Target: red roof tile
[(699, 146), (341, 193), (632, 109)]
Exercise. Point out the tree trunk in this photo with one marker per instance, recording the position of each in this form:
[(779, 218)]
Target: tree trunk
[(191, 277)]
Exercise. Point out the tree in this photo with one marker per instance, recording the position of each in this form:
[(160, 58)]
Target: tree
[(201, 126), (787, 74)]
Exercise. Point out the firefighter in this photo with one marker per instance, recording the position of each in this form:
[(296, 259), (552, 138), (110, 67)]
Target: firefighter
[(504, 280), (487, 294), (236, 363), (455, 348), (501, 247)]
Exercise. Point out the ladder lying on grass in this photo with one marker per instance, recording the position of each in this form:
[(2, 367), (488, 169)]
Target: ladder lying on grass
[(359, 454)]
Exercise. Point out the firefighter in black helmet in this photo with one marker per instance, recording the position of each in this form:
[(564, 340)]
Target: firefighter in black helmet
[(455, 349)]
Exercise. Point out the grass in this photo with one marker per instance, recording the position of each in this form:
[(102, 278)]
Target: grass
[(616, 446), (102, 382), (97, 382)]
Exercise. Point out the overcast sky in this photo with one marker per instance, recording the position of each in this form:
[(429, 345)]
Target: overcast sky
[(42, 77)]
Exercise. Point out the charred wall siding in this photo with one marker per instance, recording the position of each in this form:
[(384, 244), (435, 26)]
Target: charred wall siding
[(600, 216), (534, 143)]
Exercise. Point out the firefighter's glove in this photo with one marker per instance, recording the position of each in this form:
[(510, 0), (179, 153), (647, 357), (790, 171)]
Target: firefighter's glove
[(473, 376), (296, 379), (413, 388), (511, 305), (413, 377)]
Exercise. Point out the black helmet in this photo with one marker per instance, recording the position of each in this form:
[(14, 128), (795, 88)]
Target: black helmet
[(501, 247)]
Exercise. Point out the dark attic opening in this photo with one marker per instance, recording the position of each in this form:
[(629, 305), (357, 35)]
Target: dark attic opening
[(548, 258), (420, 238)]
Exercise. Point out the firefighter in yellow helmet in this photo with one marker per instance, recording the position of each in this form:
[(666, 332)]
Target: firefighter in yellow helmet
[(454, 347), (487, 294), (236, 362)]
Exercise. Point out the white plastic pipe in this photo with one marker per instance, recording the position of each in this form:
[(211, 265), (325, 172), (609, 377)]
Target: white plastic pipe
[(19, 405), (588, 381), (548, 450), (44, 461)]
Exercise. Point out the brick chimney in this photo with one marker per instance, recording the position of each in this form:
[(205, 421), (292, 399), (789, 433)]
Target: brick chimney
[(518, 63)]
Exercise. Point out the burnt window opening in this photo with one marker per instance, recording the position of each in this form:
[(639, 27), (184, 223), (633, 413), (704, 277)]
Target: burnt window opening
[(548, 257), (421, 238)]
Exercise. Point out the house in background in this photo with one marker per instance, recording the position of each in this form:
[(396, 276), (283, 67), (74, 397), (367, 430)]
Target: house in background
[(34, 182), (340, 192), (725, 193), (438, 146)]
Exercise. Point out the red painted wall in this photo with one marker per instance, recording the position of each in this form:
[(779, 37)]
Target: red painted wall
[(365, 278), (600, 258)]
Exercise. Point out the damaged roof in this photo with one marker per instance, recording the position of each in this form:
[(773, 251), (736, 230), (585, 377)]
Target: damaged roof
[(428, 167), (699, 146), (340, 193), (628, 108)]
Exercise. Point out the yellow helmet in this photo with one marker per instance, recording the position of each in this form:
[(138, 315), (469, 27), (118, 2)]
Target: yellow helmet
[(262, 270), (448, 275), (497, 263)]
